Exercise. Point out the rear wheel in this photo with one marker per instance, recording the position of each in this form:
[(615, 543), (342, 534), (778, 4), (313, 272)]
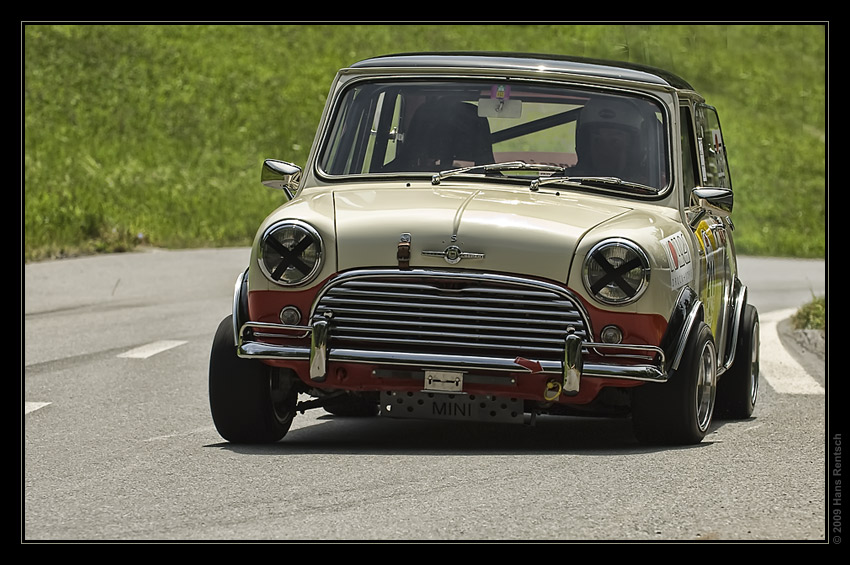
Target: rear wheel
[(250, 401), (738, 388), (680, 410)]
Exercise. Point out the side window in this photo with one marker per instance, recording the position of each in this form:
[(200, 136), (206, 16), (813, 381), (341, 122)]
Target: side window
[(715, 169), (690, 179)]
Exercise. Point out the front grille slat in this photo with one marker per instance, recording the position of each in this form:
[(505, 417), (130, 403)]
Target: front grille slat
[(491, 325), (447, 313), (458, 309), (483, 298), (433, 336), (367, 316), (444, 346)]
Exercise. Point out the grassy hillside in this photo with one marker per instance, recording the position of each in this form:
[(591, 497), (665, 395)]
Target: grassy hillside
[(155, 134)]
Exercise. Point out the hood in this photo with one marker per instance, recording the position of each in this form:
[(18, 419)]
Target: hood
[(498, 229)]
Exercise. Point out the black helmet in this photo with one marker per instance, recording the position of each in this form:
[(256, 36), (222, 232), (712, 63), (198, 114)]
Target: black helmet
[(611, 114)]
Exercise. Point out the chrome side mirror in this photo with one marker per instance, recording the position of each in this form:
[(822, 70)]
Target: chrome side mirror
[(709, 199), (281, 175)]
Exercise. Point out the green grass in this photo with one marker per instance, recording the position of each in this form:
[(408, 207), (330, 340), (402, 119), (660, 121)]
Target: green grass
[(155, 134), (811, 316)]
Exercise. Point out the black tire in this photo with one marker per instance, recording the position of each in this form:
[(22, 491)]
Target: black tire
[(352, 406), (250, 401), (679, 412), (737, 390)]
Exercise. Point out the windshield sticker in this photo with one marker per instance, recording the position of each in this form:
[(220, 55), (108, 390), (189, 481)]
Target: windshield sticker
[(679, 259), (501, 92), (500, 105)]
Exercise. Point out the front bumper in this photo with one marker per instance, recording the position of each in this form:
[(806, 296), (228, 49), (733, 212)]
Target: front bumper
[(568, 371)]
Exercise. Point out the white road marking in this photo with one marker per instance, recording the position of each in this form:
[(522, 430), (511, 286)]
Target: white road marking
[(780, 370), (33, 406), (151, 349)]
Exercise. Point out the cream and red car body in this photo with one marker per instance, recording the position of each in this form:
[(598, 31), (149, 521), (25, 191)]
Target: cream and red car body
[(377, 316)]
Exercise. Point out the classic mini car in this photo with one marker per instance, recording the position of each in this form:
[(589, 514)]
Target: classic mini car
[(495, 237)]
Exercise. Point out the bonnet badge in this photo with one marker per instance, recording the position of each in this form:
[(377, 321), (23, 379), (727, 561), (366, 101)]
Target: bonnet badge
[(452, 254)]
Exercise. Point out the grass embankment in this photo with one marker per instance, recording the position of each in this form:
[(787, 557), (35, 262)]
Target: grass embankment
[(155, 134)]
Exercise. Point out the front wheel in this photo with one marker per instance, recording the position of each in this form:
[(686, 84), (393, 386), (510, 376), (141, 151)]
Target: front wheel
[(250, 401), (680, 410)]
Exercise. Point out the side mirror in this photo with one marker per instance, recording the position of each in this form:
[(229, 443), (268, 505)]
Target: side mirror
[(718, 200), (281, 175), (709, 199)]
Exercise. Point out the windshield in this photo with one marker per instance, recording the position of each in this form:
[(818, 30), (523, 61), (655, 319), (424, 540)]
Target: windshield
[(429, 126)]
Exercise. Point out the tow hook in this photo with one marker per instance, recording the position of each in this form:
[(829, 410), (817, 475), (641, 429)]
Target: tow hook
[(552, 391)]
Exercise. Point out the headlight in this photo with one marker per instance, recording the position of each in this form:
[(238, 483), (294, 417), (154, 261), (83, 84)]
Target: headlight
[(290, 253), (616, 271)]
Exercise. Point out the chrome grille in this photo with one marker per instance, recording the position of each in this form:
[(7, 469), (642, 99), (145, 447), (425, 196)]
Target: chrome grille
[(450, 314)]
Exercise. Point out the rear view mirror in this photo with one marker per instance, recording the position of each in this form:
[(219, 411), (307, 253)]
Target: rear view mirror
[(499, 108)]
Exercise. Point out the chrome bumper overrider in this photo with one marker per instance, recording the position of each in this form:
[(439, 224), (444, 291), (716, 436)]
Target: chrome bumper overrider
[(569, 370)]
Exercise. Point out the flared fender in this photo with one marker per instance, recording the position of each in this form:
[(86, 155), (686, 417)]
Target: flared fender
[(686, 313), (240, 304), (739, 298)]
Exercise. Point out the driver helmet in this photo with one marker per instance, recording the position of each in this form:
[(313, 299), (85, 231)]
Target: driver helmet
[(608, 138)]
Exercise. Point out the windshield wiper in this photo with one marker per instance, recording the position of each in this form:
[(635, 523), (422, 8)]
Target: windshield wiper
[(617, 182), (506, 166)]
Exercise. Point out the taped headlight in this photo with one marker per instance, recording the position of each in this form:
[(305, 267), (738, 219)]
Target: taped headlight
[(290, 253), (616, 271)]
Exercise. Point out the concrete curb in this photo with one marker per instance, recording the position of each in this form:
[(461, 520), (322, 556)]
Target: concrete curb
[(808, 347)]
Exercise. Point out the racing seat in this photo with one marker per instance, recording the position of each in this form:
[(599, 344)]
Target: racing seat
[(443, 135)]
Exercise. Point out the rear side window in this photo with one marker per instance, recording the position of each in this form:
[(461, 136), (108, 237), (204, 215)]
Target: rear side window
[(690, 170), (715, 168)]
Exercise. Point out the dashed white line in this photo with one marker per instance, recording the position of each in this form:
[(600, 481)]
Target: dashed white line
[(151, 349), (33, 406), (142, 352), (781, 371)]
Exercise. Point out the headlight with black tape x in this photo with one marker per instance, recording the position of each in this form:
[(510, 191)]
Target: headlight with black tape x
[(290, 253), (616, 271)]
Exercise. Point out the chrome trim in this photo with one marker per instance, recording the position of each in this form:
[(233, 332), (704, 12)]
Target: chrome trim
[(319, 350), (453, 254), (320, 357), (273, 330), (426, 274), (573, 364), (234, 319), (281, 175)]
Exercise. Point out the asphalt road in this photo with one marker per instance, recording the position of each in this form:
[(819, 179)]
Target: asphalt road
[(118, 443)]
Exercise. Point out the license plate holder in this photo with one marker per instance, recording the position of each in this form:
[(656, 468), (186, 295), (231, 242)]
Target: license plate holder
[(443, 381), (426, 405)]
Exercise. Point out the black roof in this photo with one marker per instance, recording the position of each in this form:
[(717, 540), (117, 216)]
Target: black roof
[(530, 62)]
